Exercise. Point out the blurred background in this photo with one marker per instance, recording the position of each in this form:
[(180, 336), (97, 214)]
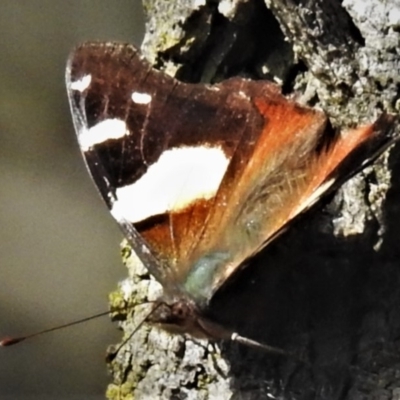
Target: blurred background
[(59, 247)]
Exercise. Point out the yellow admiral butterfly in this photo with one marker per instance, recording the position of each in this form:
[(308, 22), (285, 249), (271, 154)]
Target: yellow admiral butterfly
[(202, 177)]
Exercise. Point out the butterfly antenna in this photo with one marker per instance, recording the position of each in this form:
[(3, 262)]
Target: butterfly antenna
[(9, 341), (111, 356)]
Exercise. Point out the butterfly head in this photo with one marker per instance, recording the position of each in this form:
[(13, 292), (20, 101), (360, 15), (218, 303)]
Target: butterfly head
[(183, 317)]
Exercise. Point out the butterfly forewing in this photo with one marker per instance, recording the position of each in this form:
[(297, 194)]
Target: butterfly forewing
[(156, 148)]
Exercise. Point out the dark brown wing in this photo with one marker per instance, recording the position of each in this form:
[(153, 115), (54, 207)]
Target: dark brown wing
[(156, 148)]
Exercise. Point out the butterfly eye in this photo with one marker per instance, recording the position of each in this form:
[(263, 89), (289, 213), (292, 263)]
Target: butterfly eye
[(180, 311)]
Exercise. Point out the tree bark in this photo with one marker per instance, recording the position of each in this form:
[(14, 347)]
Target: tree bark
[(328, 289)]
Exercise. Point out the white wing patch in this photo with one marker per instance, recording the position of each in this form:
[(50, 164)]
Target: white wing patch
[(105, 130), (81, 84), (141, 98), (178, 178)]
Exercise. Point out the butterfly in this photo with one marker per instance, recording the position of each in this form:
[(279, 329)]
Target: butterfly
[(200, 177)]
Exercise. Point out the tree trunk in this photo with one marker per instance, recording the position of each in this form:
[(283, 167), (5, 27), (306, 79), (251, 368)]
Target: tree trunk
[(328, 290)]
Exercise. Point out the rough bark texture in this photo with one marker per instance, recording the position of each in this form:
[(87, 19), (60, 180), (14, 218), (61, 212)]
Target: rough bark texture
[(329, 289)]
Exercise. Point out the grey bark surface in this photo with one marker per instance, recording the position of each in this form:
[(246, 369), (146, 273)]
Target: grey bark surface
[(329, 289)]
